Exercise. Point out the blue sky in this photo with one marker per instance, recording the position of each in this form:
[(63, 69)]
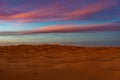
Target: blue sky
[(83, 22)]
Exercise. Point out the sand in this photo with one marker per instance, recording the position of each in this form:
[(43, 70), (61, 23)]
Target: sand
[(57, 62)]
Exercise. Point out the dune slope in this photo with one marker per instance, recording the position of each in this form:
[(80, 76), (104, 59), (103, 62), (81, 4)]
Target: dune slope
[(57, 62)]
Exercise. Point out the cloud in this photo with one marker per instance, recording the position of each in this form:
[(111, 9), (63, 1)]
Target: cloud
[(90, 9), (53, 11), (8, 33), (75, 28), (67, 29)]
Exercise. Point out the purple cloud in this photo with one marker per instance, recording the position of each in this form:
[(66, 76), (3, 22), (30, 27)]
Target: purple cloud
[(54, 11)]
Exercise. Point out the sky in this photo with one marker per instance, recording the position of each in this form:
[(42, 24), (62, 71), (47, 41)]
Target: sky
[(74, 22)]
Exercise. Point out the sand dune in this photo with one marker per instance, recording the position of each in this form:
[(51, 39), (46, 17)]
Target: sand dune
[(57, 62)]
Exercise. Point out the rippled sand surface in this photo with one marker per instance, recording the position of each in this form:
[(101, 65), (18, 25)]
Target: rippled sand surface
[(57, 62)]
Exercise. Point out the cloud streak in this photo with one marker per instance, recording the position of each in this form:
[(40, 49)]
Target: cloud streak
[(90, 9), (66, 29), (54, 12)]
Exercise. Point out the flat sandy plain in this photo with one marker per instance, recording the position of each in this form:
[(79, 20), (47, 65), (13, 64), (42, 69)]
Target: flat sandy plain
[(57, 62)]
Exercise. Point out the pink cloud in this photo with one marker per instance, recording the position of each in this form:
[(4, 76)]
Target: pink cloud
[(46, 13), (74, 28), (53, 12), (90, 9), (67, 29)]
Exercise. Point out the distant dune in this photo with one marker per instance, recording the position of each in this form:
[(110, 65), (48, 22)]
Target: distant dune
[(57, 62)]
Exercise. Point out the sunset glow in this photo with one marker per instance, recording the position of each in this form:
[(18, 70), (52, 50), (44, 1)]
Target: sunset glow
[(86, 22)]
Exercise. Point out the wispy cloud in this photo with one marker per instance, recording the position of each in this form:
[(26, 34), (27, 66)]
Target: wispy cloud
[(75, 28), (90, 9), (66, 29), (53, 12)]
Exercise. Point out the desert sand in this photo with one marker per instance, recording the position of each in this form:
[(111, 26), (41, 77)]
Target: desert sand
[(58, 62)]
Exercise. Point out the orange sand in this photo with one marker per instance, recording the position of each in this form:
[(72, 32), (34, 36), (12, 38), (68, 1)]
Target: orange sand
[(56, 62)]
